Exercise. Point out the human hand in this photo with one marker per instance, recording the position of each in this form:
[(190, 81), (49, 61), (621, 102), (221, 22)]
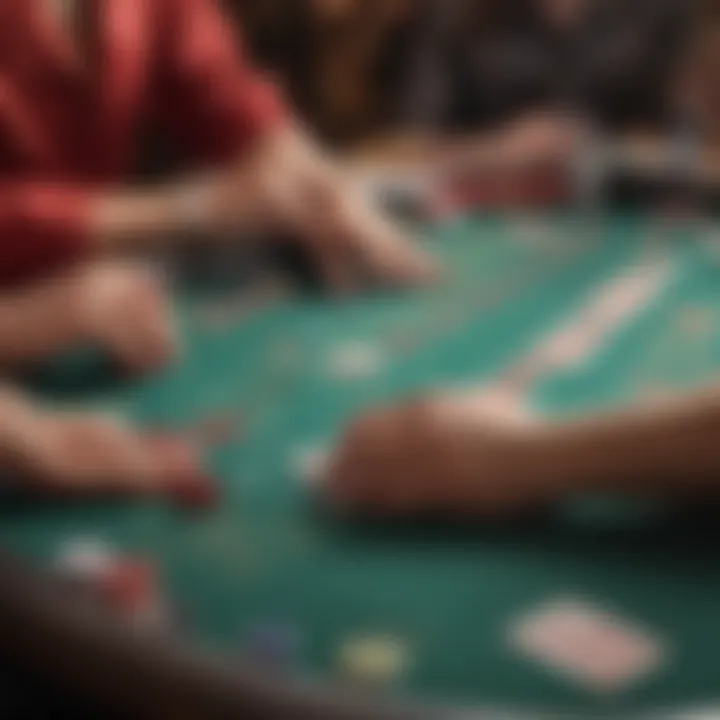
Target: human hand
[(450, 454), (122, 308), (90, 453), (292, 186)]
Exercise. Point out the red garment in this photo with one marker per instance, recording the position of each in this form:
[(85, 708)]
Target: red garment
[(66, 134)]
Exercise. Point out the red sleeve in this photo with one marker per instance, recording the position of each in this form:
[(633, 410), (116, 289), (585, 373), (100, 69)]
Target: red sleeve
[(210, 97), (43, 227)]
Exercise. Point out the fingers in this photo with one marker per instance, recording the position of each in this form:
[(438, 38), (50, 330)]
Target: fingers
[(123, 308), (336, 265), (349, 238), (98, 453), (141, 333), (312, 214), (399, 260), (173, 457), (92, 453), (427, 456), (119, 450), (380, 249)]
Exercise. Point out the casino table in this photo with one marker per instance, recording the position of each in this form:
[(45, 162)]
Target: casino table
[(275, 560)]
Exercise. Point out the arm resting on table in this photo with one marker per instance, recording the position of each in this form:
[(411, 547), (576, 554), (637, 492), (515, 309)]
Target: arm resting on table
[(673, 447)]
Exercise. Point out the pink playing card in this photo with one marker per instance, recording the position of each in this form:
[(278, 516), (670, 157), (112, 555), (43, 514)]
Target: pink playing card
[(588, 644)]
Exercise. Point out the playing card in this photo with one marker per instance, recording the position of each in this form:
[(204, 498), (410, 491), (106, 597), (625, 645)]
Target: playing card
[(588, 644)]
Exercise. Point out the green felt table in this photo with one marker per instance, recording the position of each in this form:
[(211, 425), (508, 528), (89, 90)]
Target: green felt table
[(448, 594)]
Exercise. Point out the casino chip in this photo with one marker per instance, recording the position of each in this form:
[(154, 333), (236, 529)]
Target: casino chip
[(126, 585), (132, 589), (355, 361), (273, 645), (373, 660), (84, 559)]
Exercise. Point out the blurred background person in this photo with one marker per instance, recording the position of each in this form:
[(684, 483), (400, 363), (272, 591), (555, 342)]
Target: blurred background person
[(480, 66), (697, 93), (510, 79), (336, 59)]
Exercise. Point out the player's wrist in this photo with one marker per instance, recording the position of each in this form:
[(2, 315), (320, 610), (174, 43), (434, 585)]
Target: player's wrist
[(141, 218), (600, 454), (313, 184), (514, 463), (129, 219), (566, 458)]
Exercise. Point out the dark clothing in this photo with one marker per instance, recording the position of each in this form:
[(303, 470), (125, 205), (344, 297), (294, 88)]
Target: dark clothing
[(615, 67)]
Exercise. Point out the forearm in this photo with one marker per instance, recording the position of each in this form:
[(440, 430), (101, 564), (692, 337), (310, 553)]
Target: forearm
[(248, 194), (46, 227), (669, 448), (134, 220)]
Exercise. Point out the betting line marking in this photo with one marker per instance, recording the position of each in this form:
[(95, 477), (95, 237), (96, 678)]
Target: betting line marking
[(617, 303)]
